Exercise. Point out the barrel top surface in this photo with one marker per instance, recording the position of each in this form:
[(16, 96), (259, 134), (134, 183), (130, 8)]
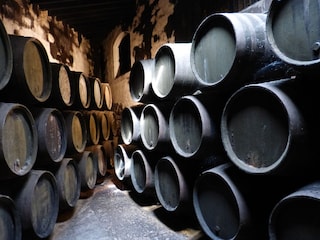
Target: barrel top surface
[(65, 85), (293, 31)]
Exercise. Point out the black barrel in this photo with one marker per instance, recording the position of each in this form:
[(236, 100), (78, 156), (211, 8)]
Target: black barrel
[(76, 131), (92, 125), (298, 21), (96, 93), (173, 75), (297, 216), (130, 124), (63, 88), (83, 95), (68, 183), (104, 125), (229, 49), (10, 222), (52, 136), (6, 57), (154, 127), (194, 126), (107, 96), (140, 80), (100, 156), (37, 200), (88, 169), (267, 128), (19, 140), (31, 72), (142, 172)]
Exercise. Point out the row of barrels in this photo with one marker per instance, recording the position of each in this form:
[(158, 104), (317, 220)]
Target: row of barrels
[(57, 134), (225, 127)]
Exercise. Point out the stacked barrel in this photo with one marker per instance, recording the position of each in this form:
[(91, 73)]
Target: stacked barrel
[(225, 127), (56, 138)]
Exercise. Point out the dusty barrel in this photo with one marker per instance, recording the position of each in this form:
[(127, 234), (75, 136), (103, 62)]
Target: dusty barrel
[(52, 136), (194, 126), (19, 140), (31, 71), (6, 57), (104, 126), (96, 93), (10, 222), (296, 216), (266, 129), (68, 183), (229, 48), (100, 156), (173, 75), (37, 200), (142, 172), (63, 89), (141, 77), (298, 21), (76, 131), (107, 95), (122, 162), (130, 124), (83, 95), (92, 125), (88, 170), (154, 129), (109, 147), (173, 189)]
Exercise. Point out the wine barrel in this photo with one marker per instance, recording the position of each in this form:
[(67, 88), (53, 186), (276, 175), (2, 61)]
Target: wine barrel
[(109, 147), (10, 222), (19, 140), (6, 57), (265, 128), (140, 81), (96, 93), (298, 21), (173, 75), (76, 132), (296, 216), (154, 129), (63, 89), (229, 49), (88, 170), (100, 156), (52, 136), (92, 124), (104, 125), (130, 124), (31, 72), (142, 172), (68, 183), (37, 201), (107, 96), (194, 126), (83, 95)]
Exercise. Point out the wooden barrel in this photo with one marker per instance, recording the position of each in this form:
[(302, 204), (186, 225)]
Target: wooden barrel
[(31, 72), (96, 93), (10, 222), (6, 57), (63, 89), (92, 124), (37, 200), (298, 21), (122, 162), (83, 95), (229, 49), (52, 136), (88, 169), (173, 75), (76, 131), (296, 216), (68, 183), (130, 124), (141, 76), (104, 125), (107, 95), (19, 140), (100, 156), (109, 147)]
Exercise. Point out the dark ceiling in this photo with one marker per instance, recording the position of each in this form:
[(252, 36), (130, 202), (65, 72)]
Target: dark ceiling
[(94, 19)]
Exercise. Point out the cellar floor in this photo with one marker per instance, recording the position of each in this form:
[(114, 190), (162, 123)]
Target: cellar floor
[(110, 211)]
